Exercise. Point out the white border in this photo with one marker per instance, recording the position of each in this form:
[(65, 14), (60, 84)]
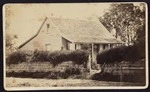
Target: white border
[(75, 88)]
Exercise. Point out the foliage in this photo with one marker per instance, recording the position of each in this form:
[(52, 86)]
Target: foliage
[(118, 54), (105, 77), (10, 44), (24, 74), (79, 56), (9, 41), (125, 73), (55, 58), (18, 57), (40, 56), (73, 71), (141, 36), (126, 77), (49, 75), (125, 19), (86, 46)]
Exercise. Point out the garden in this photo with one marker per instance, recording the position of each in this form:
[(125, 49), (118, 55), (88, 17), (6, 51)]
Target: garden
[(60, 65)]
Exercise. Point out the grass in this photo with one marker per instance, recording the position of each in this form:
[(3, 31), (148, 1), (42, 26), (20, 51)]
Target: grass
[(26, 82)]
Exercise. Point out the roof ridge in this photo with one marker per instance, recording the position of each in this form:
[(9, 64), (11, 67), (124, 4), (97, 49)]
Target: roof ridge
[(73, 19)]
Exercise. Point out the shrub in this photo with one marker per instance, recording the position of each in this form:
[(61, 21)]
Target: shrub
[(40, 56), (105, 77), (79, 56), (118, 54), (58, 57), (110, 76), (95, 66), (18, 57), (49, 75), (140, 47), (55, 58), (72, 71)]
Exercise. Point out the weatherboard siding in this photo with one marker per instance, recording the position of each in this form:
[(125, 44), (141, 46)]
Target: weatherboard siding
[(72, 46), (48, 36), (65, 44)]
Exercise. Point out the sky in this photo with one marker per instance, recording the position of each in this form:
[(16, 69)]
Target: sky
[(25, 19)]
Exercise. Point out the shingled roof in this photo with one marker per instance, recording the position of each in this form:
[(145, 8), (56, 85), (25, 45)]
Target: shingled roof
[(80, 31), (84, 31)]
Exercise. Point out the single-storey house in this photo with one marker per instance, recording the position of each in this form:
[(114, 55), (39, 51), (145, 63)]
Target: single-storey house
[(71, 34)]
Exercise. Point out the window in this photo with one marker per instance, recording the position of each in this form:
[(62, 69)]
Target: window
[(48, 28), (48, 47), (47, 25), (104, 46)]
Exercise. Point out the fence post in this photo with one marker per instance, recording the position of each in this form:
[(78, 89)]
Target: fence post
[(29, 62), (121, 74), (89, 64)]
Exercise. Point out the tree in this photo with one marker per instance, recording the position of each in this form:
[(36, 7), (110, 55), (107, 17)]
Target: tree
[(10, 42), (125, 19)]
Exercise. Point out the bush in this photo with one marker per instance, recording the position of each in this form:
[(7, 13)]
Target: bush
[(118, 54), (79, 56), (49, 75), (58, 57), (105, 77), (55, 58), (72, 71), (18, 57), (25, 74), (40, 56)]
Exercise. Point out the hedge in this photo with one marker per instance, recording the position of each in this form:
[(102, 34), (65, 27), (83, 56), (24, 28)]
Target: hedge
[(18, 57), (55, 58), (118, 54), (48, 75), (105, 76)]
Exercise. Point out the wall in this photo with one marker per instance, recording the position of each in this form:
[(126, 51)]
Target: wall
[(78, 46), (47, 36), (65, 44), (72, 46)]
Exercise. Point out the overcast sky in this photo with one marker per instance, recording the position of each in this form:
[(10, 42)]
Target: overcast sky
[(24, 21)]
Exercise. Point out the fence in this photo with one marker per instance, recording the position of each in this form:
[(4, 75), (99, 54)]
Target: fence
[(127, 72), (39, 66)]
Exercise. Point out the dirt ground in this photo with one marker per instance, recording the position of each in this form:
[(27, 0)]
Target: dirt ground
[(29, 82)]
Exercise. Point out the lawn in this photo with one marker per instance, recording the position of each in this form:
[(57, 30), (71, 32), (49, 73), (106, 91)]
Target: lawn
[(29, 82)]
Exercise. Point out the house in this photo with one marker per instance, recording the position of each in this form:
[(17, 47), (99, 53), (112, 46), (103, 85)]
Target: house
[(71, 34)]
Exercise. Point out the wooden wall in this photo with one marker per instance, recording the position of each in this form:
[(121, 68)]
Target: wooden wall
[(46, 36)]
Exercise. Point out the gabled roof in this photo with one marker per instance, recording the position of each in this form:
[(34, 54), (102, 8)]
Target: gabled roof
[(84, 31), (80, 31), (33, 35)]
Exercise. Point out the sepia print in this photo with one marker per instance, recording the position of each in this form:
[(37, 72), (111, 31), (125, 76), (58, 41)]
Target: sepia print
[(75, 46)]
